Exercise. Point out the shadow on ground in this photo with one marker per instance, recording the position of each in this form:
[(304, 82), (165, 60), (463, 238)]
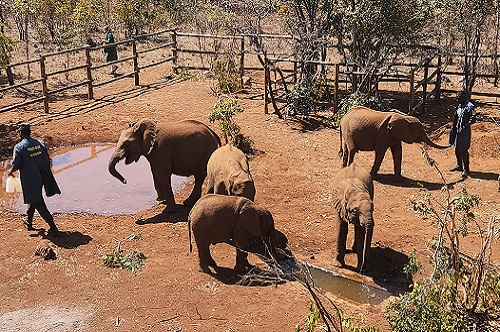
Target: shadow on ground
[(171, 217), (66, 239)]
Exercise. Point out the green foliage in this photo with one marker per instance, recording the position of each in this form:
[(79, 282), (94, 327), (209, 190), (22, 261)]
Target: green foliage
[(223, 113), (462, 292), (353, 327), (7, 45), (357, 99), (312, 320), (214, 19), (132, 262), (87, 15), (226, 70), (413, 266)]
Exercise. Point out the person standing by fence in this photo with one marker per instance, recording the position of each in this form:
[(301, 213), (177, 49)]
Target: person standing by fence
[(460, 134), (110, 53), (32, 160)]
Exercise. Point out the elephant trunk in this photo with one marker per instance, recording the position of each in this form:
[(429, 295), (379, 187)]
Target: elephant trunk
[(115, 158), (428, 141), (367, 245)]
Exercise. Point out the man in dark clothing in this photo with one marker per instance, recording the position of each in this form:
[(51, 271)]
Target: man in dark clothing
[(32, 160), (460, 133), (110, 53)]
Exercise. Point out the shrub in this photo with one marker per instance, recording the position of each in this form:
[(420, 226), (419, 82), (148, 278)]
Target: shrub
[(462, 292), (357, 99), (226, 71), (223, 113), (132, 262)]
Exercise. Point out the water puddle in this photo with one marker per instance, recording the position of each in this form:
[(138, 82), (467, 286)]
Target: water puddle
[(347, 288), (86, 185)]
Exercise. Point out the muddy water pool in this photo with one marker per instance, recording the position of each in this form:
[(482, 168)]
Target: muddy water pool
[(86, 185)]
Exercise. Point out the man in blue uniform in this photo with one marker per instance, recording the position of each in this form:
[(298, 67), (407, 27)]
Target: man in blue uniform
[(460, 133), (32, 160)]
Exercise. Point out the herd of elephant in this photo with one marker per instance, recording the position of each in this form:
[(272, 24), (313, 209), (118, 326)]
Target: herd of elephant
[(227, 213)]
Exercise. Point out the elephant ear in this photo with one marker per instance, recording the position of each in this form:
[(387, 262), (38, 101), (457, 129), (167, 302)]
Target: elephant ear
[(404, 128), (249, 219), (340, 200), (146, 129)]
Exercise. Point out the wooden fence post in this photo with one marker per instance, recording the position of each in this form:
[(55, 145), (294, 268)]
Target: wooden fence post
[(439, 79), (136, 67), (44, 85), (424, 84), (336, 88), (242, 59), (89, 73), (295, 67), (266, 90), (412, 91), (173, 34)]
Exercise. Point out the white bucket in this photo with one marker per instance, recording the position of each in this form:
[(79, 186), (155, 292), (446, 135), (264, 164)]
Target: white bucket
[(13, 185)]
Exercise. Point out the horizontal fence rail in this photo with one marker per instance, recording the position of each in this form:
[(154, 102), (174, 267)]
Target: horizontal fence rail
[(419, 75)]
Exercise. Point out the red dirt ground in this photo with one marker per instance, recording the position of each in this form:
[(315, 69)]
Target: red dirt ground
[(76, 292)]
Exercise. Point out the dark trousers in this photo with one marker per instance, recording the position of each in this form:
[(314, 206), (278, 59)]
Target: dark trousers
[(41, 207), (462, 155)]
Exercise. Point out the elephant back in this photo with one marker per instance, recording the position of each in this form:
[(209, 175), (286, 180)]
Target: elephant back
[(354, 171), (187, 144)]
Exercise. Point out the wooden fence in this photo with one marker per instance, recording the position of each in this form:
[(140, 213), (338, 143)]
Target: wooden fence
[(281, 59), (88, 67)]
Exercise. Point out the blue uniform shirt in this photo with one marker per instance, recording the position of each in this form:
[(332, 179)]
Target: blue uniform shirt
[(460, 131), (32, 160)]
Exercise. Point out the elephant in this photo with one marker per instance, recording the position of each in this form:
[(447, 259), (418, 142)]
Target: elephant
[(363, 129), (228, 173), (182, 148), (353, 203), (234, 220)]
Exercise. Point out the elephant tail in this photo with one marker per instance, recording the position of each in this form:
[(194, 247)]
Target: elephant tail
[(341, 150), (189, 230)]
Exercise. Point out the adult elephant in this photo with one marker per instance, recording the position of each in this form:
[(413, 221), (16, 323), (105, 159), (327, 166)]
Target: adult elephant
[(228, 173), (363, 129), (353, 203), (182, 148), (229, 219)]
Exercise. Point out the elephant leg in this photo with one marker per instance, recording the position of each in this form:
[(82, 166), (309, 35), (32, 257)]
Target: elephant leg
[(196, 193), (156, 181), (379, 157), (345, 155), (242, 264), (359, 235), (169, 194), (204, 256), (397, 156), (341, 242), (351, 154)]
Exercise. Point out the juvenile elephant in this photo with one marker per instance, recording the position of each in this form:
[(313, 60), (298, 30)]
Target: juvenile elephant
[(228, 173), (182, 148), (230, 219), (363, 129), (353, 202)]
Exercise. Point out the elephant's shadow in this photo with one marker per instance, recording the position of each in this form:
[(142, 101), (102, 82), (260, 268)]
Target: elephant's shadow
[(387, 269), (181, 215), (405, 182)]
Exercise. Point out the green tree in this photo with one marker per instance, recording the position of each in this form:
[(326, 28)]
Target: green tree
[(7, 45)]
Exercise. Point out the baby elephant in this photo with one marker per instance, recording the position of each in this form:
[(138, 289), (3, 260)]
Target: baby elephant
[(229, 219), (228, 173), (353, 201)]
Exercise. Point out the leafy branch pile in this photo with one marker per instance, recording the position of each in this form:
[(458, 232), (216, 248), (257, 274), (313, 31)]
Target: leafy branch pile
[(118, 259), (462, 292)]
